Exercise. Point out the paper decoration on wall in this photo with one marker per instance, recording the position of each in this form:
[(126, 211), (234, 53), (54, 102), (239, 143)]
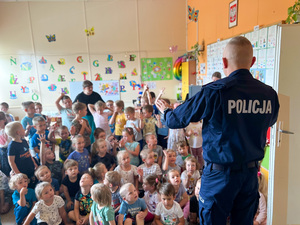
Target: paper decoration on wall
[(31, 79), (177, 68), (35, 97), (61, 61), (84, 73), (156, 68), (109, 88), (134, 72), (44, 77), (173, 48), (135, 85), (52, 87), (71, 70), (132, 57), (79, 59), (202, 68), (96, 63), (52, 68), (13, 79), (65, 90), (51, 38), (12, 95), (193, 15), (61, 78), (43, 60), (24, 89), (108, 70), (259, 74), (122, 88), (26, 66), (73, 80), (13, 61), (98, 76), (121, 64), (123, 76), (90, 32), (109, 58)]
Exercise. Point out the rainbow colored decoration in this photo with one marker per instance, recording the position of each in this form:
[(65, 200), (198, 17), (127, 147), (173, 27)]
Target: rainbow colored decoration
[(177, 68)]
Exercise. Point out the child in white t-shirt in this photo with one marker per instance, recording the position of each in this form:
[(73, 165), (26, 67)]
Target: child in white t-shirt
[(168, 211), (149, 166), (194, 133), (49, 209), (190, 176)]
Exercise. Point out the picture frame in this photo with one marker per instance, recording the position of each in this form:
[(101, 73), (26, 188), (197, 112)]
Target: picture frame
[(233, 14)]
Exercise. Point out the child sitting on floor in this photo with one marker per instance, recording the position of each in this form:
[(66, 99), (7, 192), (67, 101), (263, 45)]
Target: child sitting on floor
[(23, 197), (49, 209)]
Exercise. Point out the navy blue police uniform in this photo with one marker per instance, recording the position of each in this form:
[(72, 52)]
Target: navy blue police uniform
[(237, 112)]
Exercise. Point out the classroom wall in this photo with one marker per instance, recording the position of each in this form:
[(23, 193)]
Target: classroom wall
[(213, 25), (142, 28), (213, 19)]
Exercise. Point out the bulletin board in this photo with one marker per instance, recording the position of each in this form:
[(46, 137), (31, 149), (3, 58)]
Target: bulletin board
[(264, 45)]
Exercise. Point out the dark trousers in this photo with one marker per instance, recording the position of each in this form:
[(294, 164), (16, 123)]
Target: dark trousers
[(227, 192)]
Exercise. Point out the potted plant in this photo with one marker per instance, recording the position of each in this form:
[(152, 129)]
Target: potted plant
[(294, 13)]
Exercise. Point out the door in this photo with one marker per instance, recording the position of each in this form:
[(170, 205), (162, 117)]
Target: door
[(278, 176), (284, 183)]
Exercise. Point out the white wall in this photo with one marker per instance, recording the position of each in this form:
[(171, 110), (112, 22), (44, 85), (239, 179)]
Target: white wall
[(146, 28)]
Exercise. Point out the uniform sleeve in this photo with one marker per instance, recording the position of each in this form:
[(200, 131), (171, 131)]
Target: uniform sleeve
[(192, 110), (276, 110)]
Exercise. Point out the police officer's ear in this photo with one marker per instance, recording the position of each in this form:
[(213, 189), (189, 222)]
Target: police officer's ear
[(225, 63), (253, 61)]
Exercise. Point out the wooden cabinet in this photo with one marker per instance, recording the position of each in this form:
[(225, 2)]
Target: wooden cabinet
[(188, 76)]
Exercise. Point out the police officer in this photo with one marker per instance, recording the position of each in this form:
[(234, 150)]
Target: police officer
[(237, 112)]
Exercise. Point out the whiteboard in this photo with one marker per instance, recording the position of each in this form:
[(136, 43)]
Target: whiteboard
[(264, 45), (109, 90)]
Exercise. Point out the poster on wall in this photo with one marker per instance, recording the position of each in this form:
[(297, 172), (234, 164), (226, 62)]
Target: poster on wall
[(157, 68), (108, 89), (233, 13)]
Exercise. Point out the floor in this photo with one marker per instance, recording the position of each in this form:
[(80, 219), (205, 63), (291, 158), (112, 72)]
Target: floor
[(9, 218)]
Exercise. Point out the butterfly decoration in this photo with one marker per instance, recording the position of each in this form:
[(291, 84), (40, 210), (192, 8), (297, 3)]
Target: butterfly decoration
[(173, 48), (193, 15), (90, 32), (51, 37)]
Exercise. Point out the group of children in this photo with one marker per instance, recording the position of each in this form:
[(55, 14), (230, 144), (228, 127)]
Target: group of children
[(101, 182)]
